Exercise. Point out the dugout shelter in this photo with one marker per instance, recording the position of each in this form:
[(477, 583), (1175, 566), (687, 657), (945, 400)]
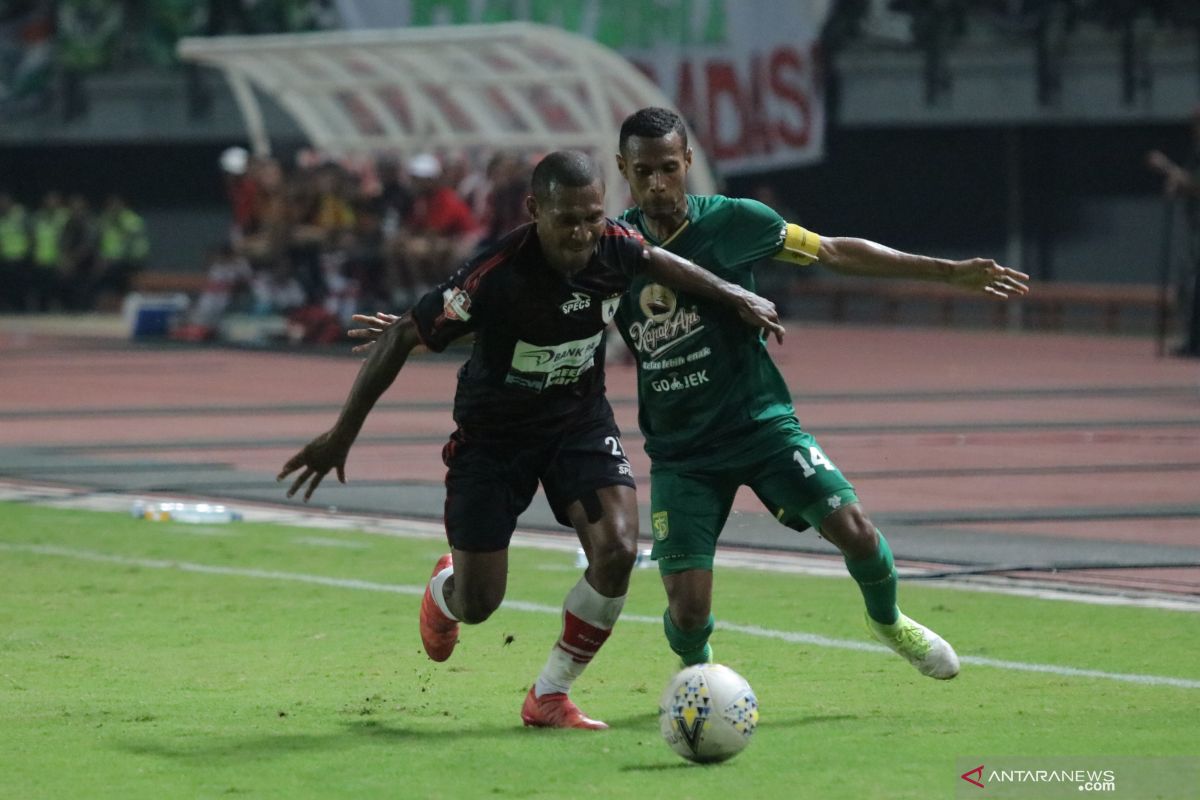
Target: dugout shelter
[(459, 88)]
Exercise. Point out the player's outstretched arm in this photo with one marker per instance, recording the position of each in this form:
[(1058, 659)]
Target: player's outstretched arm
[(329, 450), (679, 273), (851, 256), (375, 324)]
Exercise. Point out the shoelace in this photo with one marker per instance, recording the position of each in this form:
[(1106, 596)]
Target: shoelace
[(910, 639)]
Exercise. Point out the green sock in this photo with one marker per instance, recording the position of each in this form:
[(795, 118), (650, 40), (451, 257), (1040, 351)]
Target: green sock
[(688, 645), (876, 577)]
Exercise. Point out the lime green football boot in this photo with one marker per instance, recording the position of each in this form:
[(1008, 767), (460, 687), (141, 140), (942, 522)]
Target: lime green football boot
[(929, 653)]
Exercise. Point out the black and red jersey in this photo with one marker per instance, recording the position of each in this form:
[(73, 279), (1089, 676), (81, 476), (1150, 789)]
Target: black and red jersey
[(538, 359)]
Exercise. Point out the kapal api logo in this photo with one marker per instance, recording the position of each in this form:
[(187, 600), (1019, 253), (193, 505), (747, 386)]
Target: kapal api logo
[(665, 321)]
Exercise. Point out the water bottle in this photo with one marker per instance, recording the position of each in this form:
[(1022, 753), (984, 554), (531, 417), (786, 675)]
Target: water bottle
[(193, 513)]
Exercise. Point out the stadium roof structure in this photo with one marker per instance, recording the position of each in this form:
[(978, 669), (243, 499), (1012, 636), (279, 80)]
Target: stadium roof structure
[(509, 86)]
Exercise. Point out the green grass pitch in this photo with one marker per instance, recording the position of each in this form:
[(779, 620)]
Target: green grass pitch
[(152, 660)]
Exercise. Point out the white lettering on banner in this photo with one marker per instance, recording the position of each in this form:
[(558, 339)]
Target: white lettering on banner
[(751, 109), (536, 366), (675, 383), (756, 94)]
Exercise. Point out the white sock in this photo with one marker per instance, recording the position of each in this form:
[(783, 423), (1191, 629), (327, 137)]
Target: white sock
[(435, 588), (588, 618)]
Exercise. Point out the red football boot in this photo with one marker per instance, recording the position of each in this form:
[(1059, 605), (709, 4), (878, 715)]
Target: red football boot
[(439, 633), (555, 710)]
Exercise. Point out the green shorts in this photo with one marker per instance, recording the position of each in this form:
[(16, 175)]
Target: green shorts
[(689, 507)]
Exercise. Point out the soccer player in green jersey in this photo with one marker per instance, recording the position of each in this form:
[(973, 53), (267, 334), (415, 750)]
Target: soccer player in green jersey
[(716, 413)]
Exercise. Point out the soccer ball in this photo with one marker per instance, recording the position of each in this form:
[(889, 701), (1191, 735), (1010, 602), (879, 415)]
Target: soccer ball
[(708, 713)]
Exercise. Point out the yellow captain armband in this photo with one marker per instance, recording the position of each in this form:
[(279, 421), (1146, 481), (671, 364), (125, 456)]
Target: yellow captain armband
[(800, 246)]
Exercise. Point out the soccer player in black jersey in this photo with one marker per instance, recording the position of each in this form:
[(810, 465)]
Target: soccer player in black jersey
[(530, 408)]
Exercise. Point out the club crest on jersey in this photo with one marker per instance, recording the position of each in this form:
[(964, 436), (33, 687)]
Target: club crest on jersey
[(456, 304), (578, 302), (660, 525), (608, 309)]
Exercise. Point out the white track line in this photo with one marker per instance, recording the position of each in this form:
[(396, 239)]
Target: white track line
[(743, 558), (539, 608)]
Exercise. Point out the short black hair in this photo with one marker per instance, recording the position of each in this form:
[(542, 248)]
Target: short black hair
[(652, 122), (564, 168)]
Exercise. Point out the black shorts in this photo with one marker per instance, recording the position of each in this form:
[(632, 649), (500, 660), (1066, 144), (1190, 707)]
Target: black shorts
[(489, 484)]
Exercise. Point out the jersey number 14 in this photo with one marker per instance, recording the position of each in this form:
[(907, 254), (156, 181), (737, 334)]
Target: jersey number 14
[(816, 456)]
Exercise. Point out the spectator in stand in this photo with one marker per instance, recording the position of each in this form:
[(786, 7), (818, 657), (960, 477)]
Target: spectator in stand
[(123, 247), (508, 185), (475, 187), (341, 291), (15, 245), (1182, 182), (324, 214), (364, 256), (265, 237), (227, 273), (394, 198), (438, 232), (243, 190), (50, 278), (79, 252), (276, 290), (88, 40)]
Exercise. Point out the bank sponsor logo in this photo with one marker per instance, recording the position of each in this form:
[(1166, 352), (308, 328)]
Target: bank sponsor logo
[(537, 367)]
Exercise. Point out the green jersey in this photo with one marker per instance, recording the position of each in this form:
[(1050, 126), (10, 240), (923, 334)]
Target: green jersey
[(706, 384)]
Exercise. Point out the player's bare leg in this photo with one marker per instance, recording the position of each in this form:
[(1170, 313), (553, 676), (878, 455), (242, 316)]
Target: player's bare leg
[(607, 528), (465, 587), (869, 561)]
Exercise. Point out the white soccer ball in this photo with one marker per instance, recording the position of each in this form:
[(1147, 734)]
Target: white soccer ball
[(708, 713)]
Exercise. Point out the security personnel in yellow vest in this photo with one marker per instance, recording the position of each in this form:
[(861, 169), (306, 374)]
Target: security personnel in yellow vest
[(14, 254), (123, 246), (49, 278)]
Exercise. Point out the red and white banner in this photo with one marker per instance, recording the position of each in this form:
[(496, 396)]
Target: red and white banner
[(745, 73)]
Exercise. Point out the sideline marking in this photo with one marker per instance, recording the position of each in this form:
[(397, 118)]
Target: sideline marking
[(54, 496), (539, 608)]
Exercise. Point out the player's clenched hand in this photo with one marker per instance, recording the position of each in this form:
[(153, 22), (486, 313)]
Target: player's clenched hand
[(376, 325), (760, 313), (327, 451), (985, 275)]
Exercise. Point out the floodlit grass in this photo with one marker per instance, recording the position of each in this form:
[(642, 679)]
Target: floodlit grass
[(133, 677)]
